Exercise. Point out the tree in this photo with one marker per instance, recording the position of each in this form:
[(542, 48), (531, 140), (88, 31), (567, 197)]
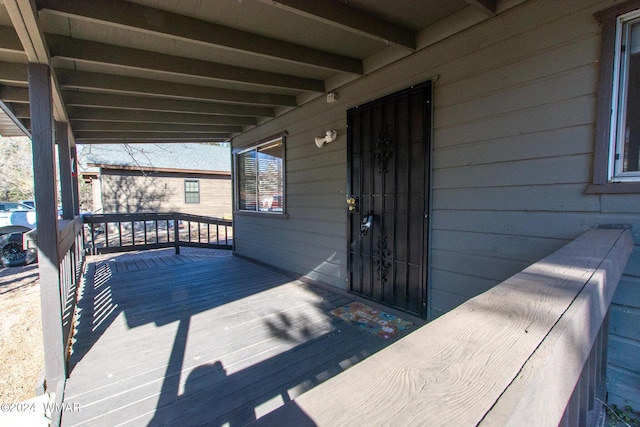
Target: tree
[(16, 169)]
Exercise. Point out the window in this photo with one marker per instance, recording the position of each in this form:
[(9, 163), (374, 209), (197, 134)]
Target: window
[(260, 178), (617, 158), (191, 191), (625, 129)]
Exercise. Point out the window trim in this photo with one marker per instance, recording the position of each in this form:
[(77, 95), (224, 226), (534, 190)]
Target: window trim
[(255, 146), (602, 168), (191, 192)]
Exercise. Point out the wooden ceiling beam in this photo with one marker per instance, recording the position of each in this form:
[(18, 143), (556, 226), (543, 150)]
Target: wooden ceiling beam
[(340, 15), (488, 7), (70, 79), (21, 111), (21, 124), (88, 99), (14, 94), (150, 141), (149, 136), (102, 53), (9, 40), (149, 20), (12, 73), (111, 115), (24, 19), (105, 126)]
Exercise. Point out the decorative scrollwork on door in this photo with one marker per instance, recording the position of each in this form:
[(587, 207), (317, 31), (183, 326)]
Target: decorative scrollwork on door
[(383, 149), (383, 264)]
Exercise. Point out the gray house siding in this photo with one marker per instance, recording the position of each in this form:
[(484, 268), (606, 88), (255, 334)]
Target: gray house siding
[(513, 142)]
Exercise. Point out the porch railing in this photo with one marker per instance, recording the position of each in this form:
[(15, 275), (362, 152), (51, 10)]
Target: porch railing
[(530, 351), (72, 257), (107, 233)]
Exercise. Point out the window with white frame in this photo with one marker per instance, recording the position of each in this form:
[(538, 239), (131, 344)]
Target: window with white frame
[(617, 151), (191, 191), (260, 178), (624, 148)]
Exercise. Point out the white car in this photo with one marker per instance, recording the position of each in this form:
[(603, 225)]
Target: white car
[(15, 220)]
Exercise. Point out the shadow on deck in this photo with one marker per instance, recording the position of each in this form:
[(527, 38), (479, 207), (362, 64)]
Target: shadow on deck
[(195, 339)]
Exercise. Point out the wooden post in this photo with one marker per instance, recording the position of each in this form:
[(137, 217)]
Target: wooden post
[(74, 178), (42, 132), (64, 161), (176, 234)]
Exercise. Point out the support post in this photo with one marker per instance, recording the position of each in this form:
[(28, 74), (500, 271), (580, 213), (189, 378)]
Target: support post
[(64, 161), (176, 234), (42, 131), (74, 177)]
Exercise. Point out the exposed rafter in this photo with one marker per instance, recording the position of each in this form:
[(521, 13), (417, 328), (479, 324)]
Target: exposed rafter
[(9, 40), (202, 68), (21, 111), (345, 17), (14, 94), (87, 99), (24, 18), (115, 126), (133, 16), (25, 21), (19, 124), (488, 7), (13, 74), (101, 53), (109, 114), (69, 79), (82, 136)]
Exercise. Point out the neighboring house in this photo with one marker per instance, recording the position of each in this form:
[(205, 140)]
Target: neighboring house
[(189, 178)]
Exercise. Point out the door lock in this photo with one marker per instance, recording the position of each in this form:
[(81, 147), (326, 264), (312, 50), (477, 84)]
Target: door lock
[(351, 201)]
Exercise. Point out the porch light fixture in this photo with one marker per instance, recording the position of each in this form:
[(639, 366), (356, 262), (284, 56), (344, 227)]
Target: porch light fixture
[(329, 136)]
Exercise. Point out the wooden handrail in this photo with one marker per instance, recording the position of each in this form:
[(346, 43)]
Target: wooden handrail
[(67, 232), (510, 356), (150, 216), (170, 238)]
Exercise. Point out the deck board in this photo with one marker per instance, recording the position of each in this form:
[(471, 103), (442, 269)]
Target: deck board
[(193, 339)]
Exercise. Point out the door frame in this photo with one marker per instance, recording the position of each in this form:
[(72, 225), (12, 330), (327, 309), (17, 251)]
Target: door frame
[(426, 310)]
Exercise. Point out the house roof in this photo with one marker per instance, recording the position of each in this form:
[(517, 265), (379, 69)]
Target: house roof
[(173, 71), (173, 157)]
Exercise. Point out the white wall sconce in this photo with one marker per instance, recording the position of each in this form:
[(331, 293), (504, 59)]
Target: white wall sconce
[(329, 136)]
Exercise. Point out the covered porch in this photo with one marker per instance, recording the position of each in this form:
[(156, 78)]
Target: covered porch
[(213, 339), (200, 338), (517, 94)]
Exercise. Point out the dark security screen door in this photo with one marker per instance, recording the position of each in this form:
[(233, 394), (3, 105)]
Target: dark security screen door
[(388, 168)]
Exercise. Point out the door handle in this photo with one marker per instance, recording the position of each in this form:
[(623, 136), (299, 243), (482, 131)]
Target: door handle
[(365, 226)]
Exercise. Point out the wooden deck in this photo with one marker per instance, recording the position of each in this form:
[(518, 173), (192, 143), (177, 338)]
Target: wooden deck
[(197, 339)]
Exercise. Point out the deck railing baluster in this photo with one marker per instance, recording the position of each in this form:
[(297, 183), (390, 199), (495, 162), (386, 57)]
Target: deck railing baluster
[(142, 240)]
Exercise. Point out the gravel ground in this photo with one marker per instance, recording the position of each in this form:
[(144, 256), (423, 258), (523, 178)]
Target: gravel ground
[(21, 347)]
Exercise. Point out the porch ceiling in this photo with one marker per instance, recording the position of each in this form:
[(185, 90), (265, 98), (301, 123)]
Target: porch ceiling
[(191, 71)]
